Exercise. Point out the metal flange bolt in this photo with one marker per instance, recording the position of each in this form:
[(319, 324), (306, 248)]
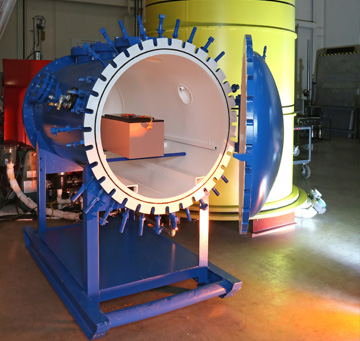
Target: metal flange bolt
[(176, 29), (188, 216), (173, 220), (95, 200), (141, 224), (103, 220), (221, 54), (82, 189), (109, 41), (216, 192), (158, 228), (223, 178), (125, 35), (192, 34), (93, 54), (76, 144), (125, 217), (264, 52), (206, 47), (142, 32), (67, 129), (203, 205), (88, 79), (161, 30)]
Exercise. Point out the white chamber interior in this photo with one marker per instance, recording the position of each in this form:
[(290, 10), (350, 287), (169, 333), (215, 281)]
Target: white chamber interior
[(182, 91)]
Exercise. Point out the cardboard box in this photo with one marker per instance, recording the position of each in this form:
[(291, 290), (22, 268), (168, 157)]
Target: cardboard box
[(129, 135)]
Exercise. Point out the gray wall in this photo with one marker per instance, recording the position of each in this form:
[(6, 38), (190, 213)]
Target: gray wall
[(342, 22), (67, 22), (326, 23)]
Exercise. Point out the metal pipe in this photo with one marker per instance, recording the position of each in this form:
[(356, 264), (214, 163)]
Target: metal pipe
[(6, 10), (38, 28), (308, 70), (164, 305)]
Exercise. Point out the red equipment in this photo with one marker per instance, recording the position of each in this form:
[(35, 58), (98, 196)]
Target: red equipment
[(18, 74)]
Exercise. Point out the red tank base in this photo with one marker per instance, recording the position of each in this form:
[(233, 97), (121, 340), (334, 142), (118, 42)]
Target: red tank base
[(279, 223)]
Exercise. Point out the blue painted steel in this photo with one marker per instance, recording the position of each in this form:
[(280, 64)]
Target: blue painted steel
[(221, 54), (176, 29), (264, 133), (90, 205), (84, 309), (216, 192), (158, 227), (90, 273), (67, 129), (264, 52), (124, 219), (116, 159), (224, 178), (82, 189), (142, 32), (205, 48), (173, 220), (108, 40), (164, 305), (92, 52), (203, 205), (188, 215), (234, 88), (103, 220), (75, 144), (73, 74), (141, 224), (41, 190), (39, 118), (61, 257), (86, 264), (192, 35), (161, 30), (123, 30)]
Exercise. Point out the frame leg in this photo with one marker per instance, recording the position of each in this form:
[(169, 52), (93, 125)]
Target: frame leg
[(204, 233), (41, 184), (91, 253)]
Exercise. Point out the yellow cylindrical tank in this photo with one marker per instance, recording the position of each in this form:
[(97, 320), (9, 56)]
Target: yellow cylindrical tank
[(271, 23)]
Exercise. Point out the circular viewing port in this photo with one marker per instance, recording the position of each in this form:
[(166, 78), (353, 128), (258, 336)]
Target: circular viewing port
[(185, 94)]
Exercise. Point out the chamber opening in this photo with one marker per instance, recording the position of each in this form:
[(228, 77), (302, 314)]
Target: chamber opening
[(180, 93)]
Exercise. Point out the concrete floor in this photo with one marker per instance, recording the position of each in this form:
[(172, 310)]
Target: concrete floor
[(297, 285)]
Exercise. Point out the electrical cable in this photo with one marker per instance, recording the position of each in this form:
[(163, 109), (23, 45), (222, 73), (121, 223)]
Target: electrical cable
[(12, 217), (32, 53), (30, 203)]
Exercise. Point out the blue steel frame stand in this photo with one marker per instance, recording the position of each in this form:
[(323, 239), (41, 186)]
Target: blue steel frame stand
[(88, 264)]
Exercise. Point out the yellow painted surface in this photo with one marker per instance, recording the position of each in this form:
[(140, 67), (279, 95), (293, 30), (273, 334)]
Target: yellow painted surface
[(210, 12), (282, 186), (300, 200), (286, 205), (271, 24)]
